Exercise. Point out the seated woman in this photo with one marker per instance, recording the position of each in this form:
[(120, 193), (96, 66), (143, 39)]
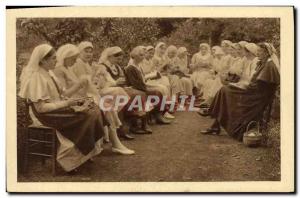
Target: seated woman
[(136, 79), (250, 63), (237, 63), (201, 67), (82, 67), (111, 80), (182, 70), (79, 132), (212, 86), (159, 61), (153, 77), (234, 107)]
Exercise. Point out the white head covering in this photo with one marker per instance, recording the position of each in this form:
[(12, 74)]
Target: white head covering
[(208, 50), (33, 65), (205, 45), (149, 47), (171, 48), (107, 52), (34, 83), (226, 43), (252, 47), (242, 43), (84, 44), (134, 52), (157, 49), (272, 52), (65, 51)]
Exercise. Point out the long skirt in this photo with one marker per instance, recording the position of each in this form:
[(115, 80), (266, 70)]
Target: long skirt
[(175, 84), (234, 108), (80, 134), (199, 77), (186, 86)]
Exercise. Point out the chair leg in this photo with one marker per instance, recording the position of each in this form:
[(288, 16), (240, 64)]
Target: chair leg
[(54, 153), (43, 148), (26, 155)]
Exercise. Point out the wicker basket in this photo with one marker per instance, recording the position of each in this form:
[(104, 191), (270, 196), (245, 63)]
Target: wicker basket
[(252, 138)]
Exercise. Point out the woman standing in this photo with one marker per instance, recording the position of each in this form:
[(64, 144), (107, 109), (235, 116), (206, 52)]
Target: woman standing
[(234, 107), (79, 132)]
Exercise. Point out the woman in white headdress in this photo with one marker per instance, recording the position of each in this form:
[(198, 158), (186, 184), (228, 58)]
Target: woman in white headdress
[(82, 65), (181, 62), (236, 63), (170, 67), (80, 131), (201, 66), (251, 62), (72, 85), (159, 61)]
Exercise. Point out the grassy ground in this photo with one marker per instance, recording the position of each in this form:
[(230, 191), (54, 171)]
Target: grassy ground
[(176, 152)]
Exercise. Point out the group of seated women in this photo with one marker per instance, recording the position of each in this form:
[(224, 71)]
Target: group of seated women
[(231, 82)]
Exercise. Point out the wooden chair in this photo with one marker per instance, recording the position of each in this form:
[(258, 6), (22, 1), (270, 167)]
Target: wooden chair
[(40, 141)]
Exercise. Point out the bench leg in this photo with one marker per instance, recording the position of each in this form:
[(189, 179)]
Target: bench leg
[(54, 153)]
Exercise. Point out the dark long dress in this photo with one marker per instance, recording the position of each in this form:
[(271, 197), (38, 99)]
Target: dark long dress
[(84, 129), (234, 108)]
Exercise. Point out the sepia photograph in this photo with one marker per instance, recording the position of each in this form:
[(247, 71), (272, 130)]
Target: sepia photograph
[(121, 97)]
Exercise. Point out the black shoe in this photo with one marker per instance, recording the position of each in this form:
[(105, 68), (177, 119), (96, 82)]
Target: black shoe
[(127, 137), (210, 131), (136, 130), (203, 112), (147, 129)]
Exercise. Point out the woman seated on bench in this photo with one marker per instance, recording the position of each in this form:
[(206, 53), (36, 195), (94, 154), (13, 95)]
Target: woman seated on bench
[(80, 128), (234, 106)]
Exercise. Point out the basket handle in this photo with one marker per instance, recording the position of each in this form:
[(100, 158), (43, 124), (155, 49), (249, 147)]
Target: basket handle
[(253, 122)]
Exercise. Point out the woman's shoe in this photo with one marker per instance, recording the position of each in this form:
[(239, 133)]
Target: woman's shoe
[(161, 120), (168, 116), (211, 131), (203, 112), (122, 151), (147, 129)]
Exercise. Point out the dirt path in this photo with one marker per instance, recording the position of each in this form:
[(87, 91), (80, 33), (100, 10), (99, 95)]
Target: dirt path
[(176, 152)]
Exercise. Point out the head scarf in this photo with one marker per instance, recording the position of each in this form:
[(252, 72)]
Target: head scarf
[(107, 52), (157, 49), (171, 48), (65, 51), (225, 43), (251, 47), (242, 43), (33, 65), (207, 55), (34, 86), (205, 45), (148, 48), (272, 52), (134, 52), (84, 44)]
